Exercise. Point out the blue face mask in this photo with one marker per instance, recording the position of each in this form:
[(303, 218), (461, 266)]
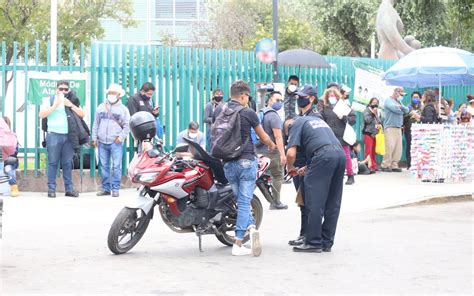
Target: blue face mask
[(416, 101), (277, 106)]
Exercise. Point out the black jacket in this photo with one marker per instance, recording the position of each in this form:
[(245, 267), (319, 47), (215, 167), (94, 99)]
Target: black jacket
[(370, 120), (78, 131), (429, 114), (136, 103), (337, 125)]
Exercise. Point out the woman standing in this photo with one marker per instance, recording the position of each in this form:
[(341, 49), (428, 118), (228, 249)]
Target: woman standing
[(372, 125), (429, 114), (330, 98)]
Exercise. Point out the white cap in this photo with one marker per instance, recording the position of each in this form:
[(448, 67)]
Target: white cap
[(345, 88), (116, 88)]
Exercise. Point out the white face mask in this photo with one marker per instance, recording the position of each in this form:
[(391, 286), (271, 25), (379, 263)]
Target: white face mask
[(332, 100), (112, 99), (192, 135), (292, 88)]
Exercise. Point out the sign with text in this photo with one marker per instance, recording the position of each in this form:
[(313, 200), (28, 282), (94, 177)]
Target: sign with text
[(369, 84), (43, 85)]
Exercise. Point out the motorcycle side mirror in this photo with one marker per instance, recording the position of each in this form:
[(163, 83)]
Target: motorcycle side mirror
[(181, 148)]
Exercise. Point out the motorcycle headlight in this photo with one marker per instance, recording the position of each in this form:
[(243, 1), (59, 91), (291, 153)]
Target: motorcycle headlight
[(147, 177)]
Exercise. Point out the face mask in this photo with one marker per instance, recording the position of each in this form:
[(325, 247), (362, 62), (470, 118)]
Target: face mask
[(416, 101), (192, 135), (292, 88), (303, 102), (112, 99), (400, 98), (218, 99), (332, 100), (277, 106), (145, 97)]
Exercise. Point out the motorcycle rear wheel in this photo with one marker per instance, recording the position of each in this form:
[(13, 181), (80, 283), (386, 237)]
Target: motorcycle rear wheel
[(257, 211), (129, 225)]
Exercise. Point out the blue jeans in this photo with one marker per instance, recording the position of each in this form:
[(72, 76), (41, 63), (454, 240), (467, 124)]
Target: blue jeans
[(59, 148), (242, 175), (107, 151), (11, 172)]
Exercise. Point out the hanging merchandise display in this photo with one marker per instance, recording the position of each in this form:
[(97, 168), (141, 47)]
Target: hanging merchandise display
[(442, 152)]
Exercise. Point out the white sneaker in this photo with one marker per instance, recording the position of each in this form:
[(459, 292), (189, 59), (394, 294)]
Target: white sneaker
[(240, 251), (255, 245)]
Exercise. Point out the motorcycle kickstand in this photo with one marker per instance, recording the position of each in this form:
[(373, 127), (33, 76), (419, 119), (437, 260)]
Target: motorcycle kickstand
[(199, 235), (200, 243)]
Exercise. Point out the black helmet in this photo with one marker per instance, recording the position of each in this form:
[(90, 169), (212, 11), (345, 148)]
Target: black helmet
[(143, 126)]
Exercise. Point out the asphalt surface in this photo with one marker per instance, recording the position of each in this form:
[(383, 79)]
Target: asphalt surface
[(59, 245)]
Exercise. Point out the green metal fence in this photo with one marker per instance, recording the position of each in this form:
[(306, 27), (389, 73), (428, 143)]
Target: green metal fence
[(185, 78)]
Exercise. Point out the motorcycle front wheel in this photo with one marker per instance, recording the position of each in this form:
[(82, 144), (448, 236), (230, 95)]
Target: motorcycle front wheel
[(127, 230), (227, 235)]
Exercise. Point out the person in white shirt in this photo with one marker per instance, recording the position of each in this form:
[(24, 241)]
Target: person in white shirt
[(192, 133)]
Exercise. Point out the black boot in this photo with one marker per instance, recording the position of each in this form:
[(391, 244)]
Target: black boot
[(350, 180)]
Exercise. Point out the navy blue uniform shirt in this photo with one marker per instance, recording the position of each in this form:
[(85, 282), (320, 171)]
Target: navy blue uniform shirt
[(300, 155), (310, 133)]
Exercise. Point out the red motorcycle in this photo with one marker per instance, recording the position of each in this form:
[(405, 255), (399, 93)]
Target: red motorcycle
[(192, 195)]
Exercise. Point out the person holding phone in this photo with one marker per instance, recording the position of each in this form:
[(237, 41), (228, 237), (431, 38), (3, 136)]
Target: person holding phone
[(58, 144), (141, 101)]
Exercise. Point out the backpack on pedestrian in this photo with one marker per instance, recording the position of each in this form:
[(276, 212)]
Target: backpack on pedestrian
[(226, 134), (261, 117)]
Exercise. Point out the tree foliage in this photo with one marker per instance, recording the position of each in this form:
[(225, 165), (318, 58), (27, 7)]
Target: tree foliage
[(343, 27), (78, 22)]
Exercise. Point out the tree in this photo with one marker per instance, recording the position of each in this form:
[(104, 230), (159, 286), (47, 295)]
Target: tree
[(232, 23), (426, 20), (348, 26), (233, 26), (78, 22)]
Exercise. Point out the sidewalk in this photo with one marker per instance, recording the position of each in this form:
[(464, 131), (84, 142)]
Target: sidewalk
[(370, 192)]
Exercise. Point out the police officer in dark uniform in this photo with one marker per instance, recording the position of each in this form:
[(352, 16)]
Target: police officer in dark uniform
[(307, 108), (323, 177)]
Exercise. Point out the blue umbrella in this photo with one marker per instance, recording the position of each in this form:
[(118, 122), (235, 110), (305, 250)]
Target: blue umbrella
[(433, 66)]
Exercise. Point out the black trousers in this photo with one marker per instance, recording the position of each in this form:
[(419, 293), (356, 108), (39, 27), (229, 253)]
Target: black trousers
[(323, 183), (299, 181), (407, 133)]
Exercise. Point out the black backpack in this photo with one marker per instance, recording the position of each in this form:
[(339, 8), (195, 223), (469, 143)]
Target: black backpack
[(226, 135)]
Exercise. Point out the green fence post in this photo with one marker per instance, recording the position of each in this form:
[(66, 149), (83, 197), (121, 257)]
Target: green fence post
[(195, 99), (93, 103), (174, 113), (108, 77), (4, 74), (200, 82), (15, 57), (167, 96), (187, 89), (183, 115), (25, 116), (71, 55)]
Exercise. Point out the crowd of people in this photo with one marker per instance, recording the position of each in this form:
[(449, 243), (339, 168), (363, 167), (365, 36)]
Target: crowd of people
[(308, 144)]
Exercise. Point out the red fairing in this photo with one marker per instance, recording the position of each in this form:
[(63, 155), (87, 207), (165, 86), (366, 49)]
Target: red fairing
[(201, 176)]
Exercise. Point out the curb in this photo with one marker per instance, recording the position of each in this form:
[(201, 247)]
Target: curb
[(432, 200)]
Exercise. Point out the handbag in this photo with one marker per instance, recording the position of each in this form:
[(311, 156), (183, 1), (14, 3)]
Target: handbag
[(349, 136), (380, 143)]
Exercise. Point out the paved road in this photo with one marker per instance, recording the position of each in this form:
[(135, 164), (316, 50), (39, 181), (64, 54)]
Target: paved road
[(59, 246)]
